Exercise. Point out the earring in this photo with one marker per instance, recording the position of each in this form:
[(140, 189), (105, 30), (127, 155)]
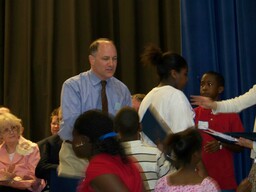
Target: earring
[(80, 144)]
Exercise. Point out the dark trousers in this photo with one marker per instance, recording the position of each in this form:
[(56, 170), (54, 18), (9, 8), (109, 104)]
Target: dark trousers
[(10, 189), (63, 184)]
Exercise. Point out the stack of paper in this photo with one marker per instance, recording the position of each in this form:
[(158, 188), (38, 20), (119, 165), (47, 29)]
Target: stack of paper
[(221, 136)]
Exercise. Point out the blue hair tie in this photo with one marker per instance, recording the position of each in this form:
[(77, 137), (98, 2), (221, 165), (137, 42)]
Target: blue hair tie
[(111, 134)]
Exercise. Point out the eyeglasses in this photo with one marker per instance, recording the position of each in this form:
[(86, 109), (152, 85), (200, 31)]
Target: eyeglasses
[(11, 129)]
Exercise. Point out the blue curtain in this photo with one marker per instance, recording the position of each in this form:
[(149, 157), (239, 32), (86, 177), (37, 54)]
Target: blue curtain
[(220, 35)]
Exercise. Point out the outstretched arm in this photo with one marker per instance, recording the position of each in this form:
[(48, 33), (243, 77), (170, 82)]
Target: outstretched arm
[(236, 104), (205, 102), (245, 143)]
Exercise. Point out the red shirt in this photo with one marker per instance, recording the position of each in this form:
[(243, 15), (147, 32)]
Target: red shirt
[(106, 164), (220, 164)]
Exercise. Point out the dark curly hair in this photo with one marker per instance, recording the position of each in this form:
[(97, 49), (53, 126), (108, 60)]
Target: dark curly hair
[(94, 124), (127, 121), (180, 147), (164, 62)]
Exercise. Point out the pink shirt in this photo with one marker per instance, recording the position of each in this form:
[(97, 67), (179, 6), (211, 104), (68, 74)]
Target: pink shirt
[(207, 185), (22, 165)]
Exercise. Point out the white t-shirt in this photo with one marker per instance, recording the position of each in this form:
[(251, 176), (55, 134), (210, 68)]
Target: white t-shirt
[(172, 105)]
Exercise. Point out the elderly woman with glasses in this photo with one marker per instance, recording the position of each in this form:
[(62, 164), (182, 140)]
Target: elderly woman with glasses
[(19, 158)]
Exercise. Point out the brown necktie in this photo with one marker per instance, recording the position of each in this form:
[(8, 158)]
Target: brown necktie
[(104, 99)]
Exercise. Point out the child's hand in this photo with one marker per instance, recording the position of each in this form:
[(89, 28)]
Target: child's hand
[(212, 146)]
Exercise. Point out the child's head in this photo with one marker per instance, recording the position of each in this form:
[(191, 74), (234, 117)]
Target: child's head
[(55, 126), (171, 67), (212, 85), (93, 133), (184, 148), (127, 122)]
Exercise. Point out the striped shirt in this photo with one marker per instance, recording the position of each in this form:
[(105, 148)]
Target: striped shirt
[(150, 160)]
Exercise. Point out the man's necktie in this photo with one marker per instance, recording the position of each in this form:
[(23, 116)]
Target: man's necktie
[(104, 99)]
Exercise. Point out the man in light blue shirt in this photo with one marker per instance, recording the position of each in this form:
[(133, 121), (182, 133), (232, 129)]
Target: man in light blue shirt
[(83, 92)]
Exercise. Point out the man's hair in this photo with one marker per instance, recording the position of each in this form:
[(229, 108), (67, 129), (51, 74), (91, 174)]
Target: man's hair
[(95, 44), (126, 121)]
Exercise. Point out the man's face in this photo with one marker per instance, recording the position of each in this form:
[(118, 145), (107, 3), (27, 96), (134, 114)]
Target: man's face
[(104, 61), (209, 87)]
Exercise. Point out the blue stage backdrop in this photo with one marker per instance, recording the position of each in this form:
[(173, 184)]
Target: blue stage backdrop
[(220, 35)]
